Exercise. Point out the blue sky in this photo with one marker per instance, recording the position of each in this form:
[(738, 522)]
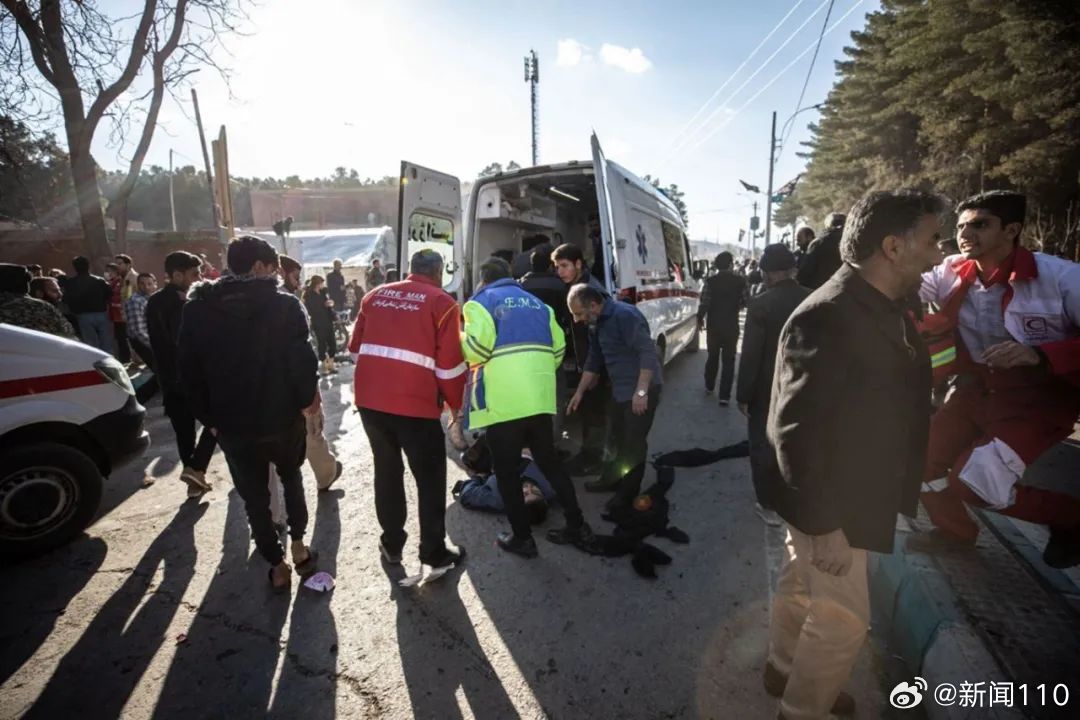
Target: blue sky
[(323, 83)]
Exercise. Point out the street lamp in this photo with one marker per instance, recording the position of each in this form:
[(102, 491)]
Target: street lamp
[(772, 165)]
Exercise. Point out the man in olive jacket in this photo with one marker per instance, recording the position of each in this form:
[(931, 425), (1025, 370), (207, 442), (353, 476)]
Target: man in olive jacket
[(765, 318), (849, 419)]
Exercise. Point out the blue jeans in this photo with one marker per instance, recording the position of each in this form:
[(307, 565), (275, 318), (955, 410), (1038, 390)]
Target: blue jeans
[(96, 330)]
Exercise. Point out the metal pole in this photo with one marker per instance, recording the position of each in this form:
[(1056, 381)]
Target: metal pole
[(206, 160), (172, 199), (753, 235), (532, 76), (768, 198)]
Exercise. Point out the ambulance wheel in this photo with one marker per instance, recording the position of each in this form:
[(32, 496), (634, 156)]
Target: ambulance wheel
[(48, 495)]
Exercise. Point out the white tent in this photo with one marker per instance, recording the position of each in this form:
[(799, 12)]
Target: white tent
[(355, 247)]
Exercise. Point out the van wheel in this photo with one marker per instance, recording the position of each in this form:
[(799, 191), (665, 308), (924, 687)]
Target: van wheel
[(48, 495)]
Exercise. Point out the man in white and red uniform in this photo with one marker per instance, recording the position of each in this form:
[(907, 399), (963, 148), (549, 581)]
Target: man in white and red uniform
[(407, 346), (1018, 380)]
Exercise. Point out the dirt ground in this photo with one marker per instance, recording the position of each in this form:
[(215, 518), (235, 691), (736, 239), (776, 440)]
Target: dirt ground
[(162, 609)]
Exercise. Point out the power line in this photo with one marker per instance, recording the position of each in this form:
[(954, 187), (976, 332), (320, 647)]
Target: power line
[(806, 82), (766, 86), (704, 125), (737, 70)]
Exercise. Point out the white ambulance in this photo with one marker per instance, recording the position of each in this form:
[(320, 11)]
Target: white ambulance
[(68, 417), (632, 236)]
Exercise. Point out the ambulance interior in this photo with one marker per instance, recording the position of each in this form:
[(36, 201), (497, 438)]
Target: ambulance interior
[(561, 206)]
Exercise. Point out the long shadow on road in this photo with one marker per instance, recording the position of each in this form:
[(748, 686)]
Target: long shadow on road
[(98, 675)]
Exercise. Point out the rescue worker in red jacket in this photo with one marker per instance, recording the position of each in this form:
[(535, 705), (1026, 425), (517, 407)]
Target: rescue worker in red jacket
[(1017, 319), (407, 347)]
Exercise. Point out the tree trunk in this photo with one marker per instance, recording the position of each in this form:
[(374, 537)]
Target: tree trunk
[(120, 215), (84, 176)]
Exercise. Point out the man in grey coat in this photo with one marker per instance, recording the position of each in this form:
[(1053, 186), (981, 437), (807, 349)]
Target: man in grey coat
[(849, 418)]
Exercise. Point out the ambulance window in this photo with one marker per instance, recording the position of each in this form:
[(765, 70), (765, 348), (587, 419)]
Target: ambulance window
[(676, 253), (427, 232)]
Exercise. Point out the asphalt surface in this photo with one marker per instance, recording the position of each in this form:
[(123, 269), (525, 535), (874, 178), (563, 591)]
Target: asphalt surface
[(163, 610)]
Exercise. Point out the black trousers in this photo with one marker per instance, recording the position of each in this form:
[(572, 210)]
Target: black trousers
[(506, 441), (324, 338), (722, 343), (249, 462), (769, 484), (149, 388), (424, 445), (123, 352), (591, 413), (629, 436), (193, 455)]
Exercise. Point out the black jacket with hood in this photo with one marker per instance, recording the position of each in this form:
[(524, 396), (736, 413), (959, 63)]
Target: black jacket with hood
[(244, 356)]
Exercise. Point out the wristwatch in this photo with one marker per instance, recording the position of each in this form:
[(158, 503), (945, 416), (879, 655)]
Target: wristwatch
[(641, 393)]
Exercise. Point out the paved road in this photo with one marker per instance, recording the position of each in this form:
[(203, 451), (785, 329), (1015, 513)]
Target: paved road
[(92, 630)]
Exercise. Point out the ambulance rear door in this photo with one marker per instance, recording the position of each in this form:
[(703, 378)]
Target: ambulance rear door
[(429, 218)]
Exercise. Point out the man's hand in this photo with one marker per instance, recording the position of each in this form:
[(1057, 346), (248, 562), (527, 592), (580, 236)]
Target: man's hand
[(831, 553), (639, 405), (572, 406), (744, 409), (701, 324), (315, 406), (1010, 354)]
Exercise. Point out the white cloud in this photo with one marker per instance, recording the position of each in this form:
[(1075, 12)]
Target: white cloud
[(570, 53), (631, 60)]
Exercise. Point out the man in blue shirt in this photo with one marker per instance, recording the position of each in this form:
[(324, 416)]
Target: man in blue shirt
[(620, 343)]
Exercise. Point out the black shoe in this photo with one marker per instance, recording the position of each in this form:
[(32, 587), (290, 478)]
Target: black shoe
[(446, 560), (936, 541), (1063, 550), (510, 543), (580, 536)]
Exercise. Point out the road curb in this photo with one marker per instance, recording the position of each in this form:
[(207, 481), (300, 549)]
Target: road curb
[(926, 629)]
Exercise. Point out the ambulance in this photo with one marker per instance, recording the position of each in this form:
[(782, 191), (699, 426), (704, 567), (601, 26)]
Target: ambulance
[(68, 417), (631, 234)]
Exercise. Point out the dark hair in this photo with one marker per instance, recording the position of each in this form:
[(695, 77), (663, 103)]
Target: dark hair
[(504, 254), (246, 250), (112, 266), (426, 262), (531, 241), (540, 261), (34, 269), (181, 261), (568, 251), (288, 264), (835, 220), (37, 285), (1007, 205), (585, 294), (125, 258), (14, 278), (805, 229), (375, 261), (81, 265), (883, 213), (315, 280), (140, 276), (723, 261), (493, 269)]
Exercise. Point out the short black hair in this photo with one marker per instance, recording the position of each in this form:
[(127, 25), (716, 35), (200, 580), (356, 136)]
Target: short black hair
[(531, 241), (883, 213), (494, 269), (289, 265), (1007, 205), (140, 276), (34, 269), (246, 250), (723, 261), (81, 264), (125, 258), (425, 262), (540, 261), (38, 285), (181, 261), (835, 220), (14, 278), (568, 251)]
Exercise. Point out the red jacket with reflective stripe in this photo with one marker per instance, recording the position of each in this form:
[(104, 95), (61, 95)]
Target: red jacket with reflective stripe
[(408, 347)]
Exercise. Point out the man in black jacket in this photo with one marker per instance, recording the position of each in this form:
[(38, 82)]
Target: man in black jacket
[(250, 373), (723, 296), (765, 318), (163, 311), (849, 418), (88, 297), (822, 257)]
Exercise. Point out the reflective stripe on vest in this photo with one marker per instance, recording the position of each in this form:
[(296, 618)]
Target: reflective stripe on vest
[(944, 357), (413, 358)]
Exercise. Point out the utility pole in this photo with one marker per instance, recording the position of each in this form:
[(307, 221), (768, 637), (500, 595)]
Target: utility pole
[(532, 76), (172, 199), (206, 162), (754, 225), (768, 197)]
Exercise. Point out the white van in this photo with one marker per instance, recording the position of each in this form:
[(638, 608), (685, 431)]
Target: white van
[(68, 417), (641, 252)]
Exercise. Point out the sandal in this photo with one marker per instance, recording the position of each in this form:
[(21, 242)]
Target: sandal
[(283, 588), (308, 565)]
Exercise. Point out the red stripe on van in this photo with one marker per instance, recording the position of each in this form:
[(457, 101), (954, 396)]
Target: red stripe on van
[(636, 296), (50, 383)]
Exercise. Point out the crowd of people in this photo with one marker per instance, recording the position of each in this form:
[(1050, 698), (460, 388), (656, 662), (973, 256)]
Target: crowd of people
[(844, 343)]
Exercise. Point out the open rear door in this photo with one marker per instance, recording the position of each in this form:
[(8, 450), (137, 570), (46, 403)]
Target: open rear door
[(607, 220), (429, 217)]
